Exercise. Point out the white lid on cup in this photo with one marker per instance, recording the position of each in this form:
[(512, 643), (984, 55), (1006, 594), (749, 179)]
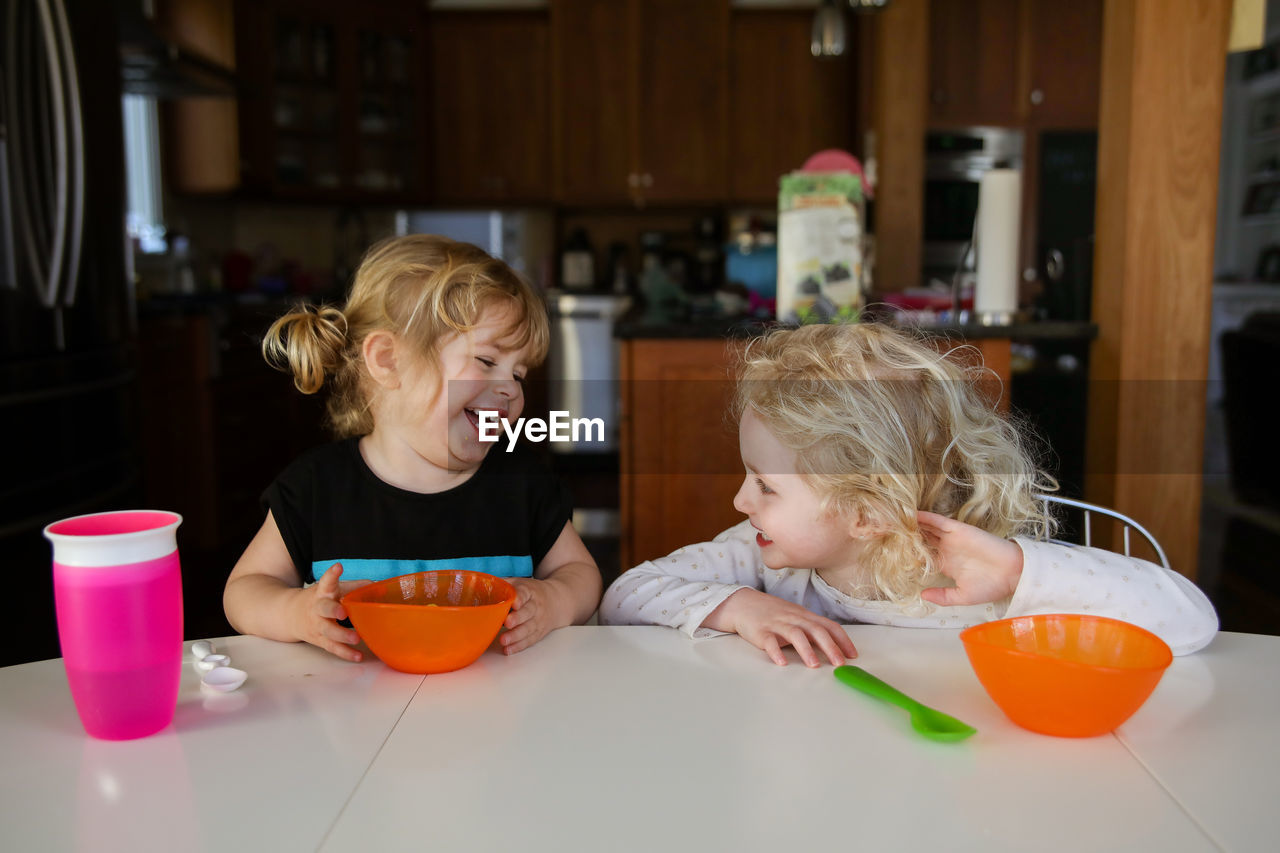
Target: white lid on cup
[(114, 538)]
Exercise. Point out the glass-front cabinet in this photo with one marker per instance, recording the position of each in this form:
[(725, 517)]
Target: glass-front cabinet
[(334, 94)]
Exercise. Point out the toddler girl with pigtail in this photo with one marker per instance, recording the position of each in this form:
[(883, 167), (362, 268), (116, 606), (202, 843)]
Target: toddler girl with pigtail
[(435, 335)]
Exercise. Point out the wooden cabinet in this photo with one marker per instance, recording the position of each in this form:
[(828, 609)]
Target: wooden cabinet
[(784, 104), (491, 119), (680, 464), (1066, 63), (973, 62), (641, 100), (1006, 62), (335, 99), (200, 153), (593, 109), (683, 96)]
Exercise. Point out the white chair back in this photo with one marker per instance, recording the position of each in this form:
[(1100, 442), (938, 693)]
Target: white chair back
[(1089, 509)]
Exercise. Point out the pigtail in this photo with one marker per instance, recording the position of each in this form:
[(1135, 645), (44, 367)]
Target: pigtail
[(309, 343)]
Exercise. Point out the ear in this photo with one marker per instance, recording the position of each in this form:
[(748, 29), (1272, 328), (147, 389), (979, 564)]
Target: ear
[(860, 527), (381, 358)]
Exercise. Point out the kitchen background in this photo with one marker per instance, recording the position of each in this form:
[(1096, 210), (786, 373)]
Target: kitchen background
[(584, 141)]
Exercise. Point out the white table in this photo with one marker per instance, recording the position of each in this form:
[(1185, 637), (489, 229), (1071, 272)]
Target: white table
[(635, 738), (267, 767)]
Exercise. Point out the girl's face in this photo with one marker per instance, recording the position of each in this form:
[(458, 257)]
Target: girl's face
[(437, 407), (792, 531)]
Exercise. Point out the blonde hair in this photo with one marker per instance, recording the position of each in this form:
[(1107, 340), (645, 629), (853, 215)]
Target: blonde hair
[(420, 287), (883, 424)]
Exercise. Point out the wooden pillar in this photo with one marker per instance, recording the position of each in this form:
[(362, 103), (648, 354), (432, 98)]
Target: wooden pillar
[(900, 77), (1160, 122)]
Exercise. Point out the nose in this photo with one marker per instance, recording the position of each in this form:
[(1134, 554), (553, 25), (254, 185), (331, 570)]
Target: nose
[(742, 500), (508, 388)]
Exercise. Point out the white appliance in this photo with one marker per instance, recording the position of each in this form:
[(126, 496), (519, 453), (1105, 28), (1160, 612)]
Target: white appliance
[(522, 238), (583, 365)]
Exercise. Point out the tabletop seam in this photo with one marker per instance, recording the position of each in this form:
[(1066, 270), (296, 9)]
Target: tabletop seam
[(1156, 778), (356, 787)]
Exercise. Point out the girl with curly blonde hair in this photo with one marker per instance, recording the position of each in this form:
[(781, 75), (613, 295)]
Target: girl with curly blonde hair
[(882, 487), (434, 336)]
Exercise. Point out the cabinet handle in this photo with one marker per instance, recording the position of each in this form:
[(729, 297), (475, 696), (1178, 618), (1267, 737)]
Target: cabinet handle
[(646, 180), (1054, 265), (1037, 96)]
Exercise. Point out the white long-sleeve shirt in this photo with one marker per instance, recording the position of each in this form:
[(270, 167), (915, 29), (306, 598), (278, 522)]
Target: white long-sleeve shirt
[(681, 589)]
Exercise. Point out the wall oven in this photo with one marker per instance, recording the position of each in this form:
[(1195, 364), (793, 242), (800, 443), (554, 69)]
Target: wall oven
[(955, 161)]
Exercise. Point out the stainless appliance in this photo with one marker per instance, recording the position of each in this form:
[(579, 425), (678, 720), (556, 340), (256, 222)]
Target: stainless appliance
[(583, 364), (1064, 223), (955, 161), (1053, 393), (67, 376), (521, 237)]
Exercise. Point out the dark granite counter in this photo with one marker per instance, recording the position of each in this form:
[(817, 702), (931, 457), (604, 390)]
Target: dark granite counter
[(633, 327), (637, 327), (1027, 330)]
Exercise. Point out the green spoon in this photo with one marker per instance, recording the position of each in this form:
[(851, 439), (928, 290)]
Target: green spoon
[(934, 725)]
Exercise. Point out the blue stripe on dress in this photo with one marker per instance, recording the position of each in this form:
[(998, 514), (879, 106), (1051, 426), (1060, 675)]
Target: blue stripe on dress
[(376, 570)]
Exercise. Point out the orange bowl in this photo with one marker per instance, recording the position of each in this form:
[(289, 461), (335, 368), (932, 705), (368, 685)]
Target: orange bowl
[(1068, 675), (430, 621)]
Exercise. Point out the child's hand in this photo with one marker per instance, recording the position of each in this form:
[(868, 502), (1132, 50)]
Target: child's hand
[(769, 623), (537, 611), (316, 612), (985, 567)]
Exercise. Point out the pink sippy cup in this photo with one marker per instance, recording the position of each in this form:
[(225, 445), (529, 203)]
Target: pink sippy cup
[(118, 591)]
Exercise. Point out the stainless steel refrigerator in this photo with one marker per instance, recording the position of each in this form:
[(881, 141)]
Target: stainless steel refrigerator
[(68, 400)]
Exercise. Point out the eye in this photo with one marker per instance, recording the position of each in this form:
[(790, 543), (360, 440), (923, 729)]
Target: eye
[(519, 377), (764, 490), (487, 362)]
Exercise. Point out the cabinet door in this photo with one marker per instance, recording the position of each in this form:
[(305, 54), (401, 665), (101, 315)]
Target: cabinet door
[(594, 101), (1066, 63), (384, 76), (253, 48), (973, 62), (784, 104), (337, 104), (200, 153), (680, 461), (299, 121), (491, 119), (683, 99)]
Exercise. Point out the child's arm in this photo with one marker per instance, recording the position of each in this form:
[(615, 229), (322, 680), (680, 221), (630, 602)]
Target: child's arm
[(264, 597), (719, 586), (1053, 578), (681, 589), (564, 590)]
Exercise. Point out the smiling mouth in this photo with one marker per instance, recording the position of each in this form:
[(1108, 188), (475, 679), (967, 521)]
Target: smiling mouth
[(473, 415), (761, 539)]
